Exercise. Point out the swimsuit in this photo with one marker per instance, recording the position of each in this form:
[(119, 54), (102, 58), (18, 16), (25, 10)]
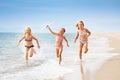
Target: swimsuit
[(58, 39), (83, 34), (59, 47), (83, 41), (29, 46), (29, 40)]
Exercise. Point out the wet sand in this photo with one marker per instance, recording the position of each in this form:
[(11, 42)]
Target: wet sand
[(111, 69)]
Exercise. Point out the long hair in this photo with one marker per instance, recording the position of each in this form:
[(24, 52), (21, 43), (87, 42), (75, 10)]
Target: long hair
[(79, 23), (29, 29)]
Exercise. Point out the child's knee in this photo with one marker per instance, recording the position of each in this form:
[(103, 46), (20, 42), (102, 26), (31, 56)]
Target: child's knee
[(86, 50), (80, 50), (31, 54)]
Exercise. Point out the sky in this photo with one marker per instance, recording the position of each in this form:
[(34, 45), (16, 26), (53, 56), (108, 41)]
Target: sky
[(98, 15)]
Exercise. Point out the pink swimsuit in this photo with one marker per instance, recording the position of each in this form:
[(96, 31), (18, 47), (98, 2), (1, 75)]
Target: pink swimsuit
[(59, 38)]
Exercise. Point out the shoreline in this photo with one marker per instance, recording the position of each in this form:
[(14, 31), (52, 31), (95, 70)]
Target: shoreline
[(110, 70), (102, 63)]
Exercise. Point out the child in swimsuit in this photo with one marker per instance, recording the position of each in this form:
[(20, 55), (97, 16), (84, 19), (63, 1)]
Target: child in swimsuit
[(28, 37), (83, 33), (59, 39)]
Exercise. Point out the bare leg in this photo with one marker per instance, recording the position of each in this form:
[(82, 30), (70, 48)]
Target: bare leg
[(85, 48), (27, 55), (31, 52), (80, 50), (34, 51), (57, 53), (60, 55)]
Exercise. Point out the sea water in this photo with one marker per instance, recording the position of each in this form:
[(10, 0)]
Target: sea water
[(44, 64)]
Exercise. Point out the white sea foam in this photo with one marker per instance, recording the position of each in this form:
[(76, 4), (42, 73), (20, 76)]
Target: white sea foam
[(44, 65), (48, 70)]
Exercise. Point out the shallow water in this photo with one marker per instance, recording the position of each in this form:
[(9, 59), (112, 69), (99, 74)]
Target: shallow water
[(44, 65)]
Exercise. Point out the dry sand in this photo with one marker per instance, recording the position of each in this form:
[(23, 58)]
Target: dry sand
[(111, 69)]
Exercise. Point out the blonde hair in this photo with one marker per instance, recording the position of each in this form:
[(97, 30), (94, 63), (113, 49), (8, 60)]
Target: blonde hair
[(29, 30)]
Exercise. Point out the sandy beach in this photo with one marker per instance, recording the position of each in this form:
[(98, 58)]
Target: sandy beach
[(111, 69), (102, 62), (28, 48)]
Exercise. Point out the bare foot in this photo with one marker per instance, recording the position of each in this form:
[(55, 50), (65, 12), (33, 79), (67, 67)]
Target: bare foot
[(59, 62), (26, 61)]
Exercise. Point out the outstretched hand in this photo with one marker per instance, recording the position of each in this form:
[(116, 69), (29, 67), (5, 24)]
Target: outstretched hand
[(18, 44), (38, 46), (47, 26), (67, 45), (74, 41)]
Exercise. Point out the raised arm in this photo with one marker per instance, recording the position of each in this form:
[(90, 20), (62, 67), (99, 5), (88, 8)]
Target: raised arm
[(76, 37), (54, 33), (23, 37), (66, 41), (36, 41)]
